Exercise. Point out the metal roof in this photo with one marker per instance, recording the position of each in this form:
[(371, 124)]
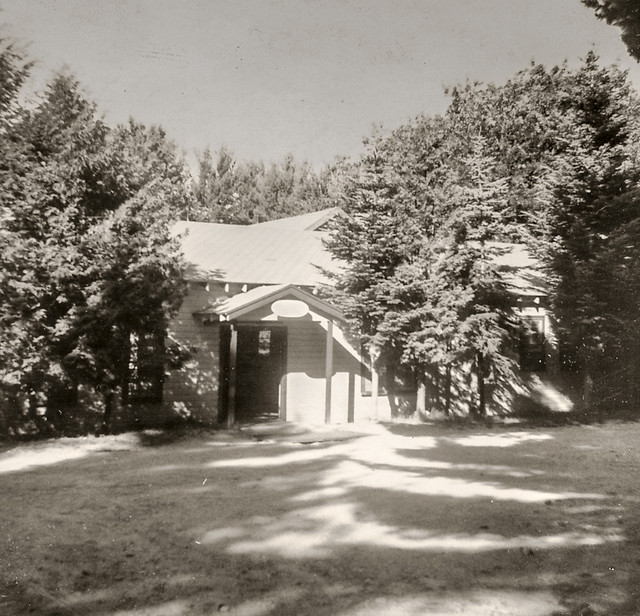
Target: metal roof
[(521, 272), (311, 221), (291, 251), (284, 252)]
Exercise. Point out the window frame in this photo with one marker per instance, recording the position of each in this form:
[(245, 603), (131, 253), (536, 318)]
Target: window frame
[(532, 352), (144, 369)]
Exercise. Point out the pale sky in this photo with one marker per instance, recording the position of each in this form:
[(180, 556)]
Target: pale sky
[(309, 77)]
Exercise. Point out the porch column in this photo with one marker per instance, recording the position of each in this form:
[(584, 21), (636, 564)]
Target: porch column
[(328, 372), (283, 397), (373, 354), (352, 396), (233, 360)]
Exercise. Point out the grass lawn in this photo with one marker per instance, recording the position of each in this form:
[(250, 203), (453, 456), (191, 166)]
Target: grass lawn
[(280, 520)]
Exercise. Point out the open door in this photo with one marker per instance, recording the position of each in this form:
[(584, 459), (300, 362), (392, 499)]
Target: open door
[(260, 364)]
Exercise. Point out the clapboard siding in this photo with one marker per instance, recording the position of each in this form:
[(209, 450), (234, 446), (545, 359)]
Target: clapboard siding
[(305, 371), (193, 389), (306, 382)]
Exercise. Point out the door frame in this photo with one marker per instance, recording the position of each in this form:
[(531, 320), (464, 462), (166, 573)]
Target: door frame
[(228, 353)]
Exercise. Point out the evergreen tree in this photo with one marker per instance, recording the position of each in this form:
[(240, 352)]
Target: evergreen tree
[(547, 159), (622, 13), (85, 251), (232, 192), (594, 214), (419, 283), (376, 237)]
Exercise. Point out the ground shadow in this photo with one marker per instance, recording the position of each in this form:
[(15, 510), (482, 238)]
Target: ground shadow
[(518, 522)]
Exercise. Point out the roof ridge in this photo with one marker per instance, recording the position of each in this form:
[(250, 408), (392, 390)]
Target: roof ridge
[(316, 219)]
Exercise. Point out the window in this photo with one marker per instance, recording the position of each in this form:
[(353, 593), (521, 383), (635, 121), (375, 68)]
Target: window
[(145, 369), (366, 375), (264, 342), (366, 384), (532, 344), (404, 380)]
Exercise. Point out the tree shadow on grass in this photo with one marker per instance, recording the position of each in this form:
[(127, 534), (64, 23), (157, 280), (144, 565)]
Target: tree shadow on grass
[(173, 434), (360, 527)]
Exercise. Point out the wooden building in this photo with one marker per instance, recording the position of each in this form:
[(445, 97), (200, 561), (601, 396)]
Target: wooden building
[(264, 344)]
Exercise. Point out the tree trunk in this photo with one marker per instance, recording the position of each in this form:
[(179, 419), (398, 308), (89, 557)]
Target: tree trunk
[(109, 403), (635, 377), (437, 385), (421, 394), (375, 384), (60, 401), (482, 403), (587, 392), (12, 413), (36, 412), (390, 386), (447, 385)]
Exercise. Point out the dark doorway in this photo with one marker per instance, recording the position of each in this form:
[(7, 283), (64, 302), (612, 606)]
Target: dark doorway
[(260, 363)]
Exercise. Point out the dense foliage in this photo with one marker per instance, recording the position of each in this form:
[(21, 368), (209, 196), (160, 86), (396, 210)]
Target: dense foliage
[(233, 192), (622, 13), (549, 160), (86, 257)]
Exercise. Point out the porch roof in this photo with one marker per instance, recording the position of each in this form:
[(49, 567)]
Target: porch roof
[(244, 303)]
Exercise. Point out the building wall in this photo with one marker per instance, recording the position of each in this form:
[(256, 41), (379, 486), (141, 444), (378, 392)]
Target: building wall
[(305, 387), (552, 388), (306, 381), (192, 390)]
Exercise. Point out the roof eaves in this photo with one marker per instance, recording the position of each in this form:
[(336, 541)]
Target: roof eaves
[(234, 310)]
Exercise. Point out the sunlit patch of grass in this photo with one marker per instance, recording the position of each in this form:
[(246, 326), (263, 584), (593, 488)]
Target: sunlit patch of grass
[(316, 531), (509, 439), (473, 603)]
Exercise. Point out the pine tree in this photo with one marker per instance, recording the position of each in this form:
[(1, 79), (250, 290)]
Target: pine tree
[(594, 215), (419, 284), (85, 250), (622, 13), (233, 192)]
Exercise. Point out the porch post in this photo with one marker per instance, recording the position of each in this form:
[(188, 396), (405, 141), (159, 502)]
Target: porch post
[(351, 399), (328, 372), (373, 354), (233, 359), (283, 397)]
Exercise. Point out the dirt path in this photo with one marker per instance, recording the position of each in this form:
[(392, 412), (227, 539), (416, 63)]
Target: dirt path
[(402, 520)]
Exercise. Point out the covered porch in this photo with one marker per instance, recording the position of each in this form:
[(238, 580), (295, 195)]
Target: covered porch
[(283, 355)]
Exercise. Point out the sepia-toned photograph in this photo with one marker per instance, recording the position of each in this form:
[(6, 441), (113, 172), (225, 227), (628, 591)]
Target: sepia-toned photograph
[(320, 307)]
